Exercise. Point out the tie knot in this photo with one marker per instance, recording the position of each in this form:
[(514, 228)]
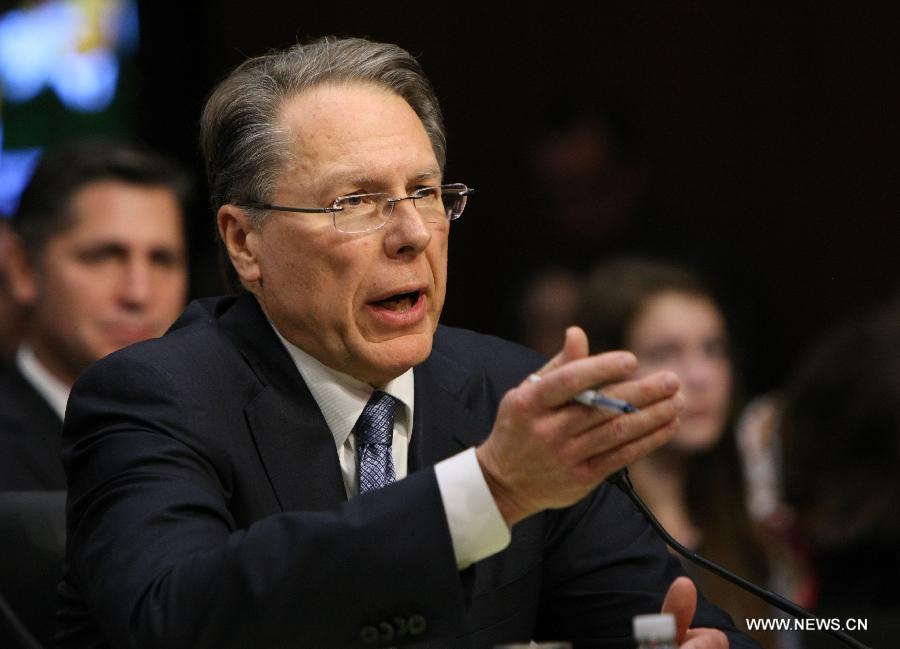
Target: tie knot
[(376, 423)]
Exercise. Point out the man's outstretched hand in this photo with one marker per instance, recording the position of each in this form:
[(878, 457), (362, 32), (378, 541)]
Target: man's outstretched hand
[(547, 452)]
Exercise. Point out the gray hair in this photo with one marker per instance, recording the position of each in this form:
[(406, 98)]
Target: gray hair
[(242, 143)]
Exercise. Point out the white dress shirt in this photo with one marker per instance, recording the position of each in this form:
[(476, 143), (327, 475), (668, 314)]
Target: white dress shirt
[(477, 528), (54, 391)]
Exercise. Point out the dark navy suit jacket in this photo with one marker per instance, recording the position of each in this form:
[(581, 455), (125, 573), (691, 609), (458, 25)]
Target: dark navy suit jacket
[(206, 509), (29, 436), (31, 479)]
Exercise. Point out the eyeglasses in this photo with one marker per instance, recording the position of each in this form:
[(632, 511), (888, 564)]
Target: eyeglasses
[(366, 212)]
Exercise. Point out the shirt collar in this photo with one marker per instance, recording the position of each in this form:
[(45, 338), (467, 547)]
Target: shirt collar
[(54, 391), (341, 397)]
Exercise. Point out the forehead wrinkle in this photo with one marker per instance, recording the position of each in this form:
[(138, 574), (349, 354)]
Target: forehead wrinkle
[(357, 179), (428, 174)]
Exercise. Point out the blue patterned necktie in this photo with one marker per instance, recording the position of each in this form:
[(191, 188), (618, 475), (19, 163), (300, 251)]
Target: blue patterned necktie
[(374, 431)]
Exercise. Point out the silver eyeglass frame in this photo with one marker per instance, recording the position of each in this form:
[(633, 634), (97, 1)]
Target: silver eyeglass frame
[(458, 190)]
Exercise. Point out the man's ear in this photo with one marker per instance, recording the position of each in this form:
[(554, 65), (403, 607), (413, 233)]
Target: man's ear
[(240, 237), (20, 269)]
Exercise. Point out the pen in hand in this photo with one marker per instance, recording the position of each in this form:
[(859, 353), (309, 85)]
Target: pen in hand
[(596, 399)]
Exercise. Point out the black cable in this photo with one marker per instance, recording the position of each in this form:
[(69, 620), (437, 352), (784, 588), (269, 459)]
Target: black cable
[(622, 481), (16, 627)]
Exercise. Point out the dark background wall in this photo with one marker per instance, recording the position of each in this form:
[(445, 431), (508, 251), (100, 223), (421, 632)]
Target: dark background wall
[(773, 128)]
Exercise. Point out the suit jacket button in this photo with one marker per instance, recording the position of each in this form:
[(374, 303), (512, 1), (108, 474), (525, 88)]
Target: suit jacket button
[(416, 624), (387, 631), (368, 634)]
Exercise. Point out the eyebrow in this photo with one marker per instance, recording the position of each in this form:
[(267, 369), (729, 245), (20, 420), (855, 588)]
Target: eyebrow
[(117, 246)]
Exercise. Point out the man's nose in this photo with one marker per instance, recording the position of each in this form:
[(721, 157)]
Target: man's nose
[(136, 283), (406, 232)]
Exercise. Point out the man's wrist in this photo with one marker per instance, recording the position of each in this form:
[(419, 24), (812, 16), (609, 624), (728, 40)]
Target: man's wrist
[(508, 505)]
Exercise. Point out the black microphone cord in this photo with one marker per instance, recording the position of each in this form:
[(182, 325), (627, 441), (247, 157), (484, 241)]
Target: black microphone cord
[(15, 626), (621, 480)]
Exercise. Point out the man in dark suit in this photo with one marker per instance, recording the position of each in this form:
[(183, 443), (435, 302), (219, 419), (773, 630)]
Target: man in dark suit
[(317, 463), (96, 260)]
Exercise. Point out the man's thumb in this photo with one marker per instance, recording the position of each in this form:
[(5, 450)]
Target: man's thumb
[(574, 346), (681, 601)]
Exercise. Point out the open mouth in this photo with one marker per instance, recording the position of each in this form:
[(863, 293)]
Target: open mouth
[(400, 302)]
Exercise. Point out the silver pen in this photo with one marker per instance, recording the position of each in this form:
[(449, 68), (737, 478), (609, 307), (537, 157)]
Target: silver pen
[(596, 399)]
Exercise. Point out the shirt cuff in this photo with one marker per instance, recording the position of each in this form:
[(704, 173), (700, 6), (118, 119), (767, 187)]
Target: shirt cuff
[(477, 528)]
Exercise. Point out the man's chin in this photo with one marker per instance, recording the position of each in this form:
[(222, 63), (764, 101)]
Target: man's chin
[(389, 359)]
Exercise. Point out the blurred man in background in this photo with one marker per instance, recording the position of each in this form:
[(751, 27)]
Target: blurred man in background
[(96, 259)]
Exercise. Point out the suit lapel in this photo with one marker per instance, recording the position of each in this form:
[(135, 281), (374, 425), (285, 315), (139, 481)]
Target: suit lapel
[(453, 412), (294, 442), (449, 415), (296, 448)]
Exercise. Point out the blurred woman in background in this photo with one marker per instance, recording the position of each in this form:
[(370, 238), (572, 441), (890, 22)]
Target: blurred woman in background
[(840, 432), (668, 317)]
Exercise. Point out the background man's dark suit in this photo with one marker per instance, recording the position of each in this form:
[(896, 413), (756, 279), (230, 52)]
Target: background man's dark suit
[(207, 508), (29, 436), (32, 480)]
